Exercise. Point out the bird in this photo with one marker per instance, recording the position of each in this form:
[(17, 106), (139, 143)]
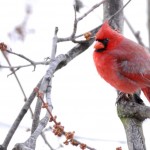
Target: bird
[(121, 62)]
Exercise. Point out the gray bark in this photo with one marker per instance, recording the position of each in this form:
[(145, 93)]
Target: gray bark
[(110, 7)]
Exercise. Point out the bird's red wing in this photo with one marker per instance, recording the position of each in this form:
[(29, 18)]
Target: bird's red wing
[(133, 62), (140, 77)]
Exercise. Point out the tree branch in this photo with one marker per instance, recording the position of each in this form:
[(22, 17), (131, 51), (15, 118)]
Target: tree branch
[(31, 142), (22, 56), (132, 116), (47, 88), (17, 79), (76, 20), (36, 115), (59, 62)]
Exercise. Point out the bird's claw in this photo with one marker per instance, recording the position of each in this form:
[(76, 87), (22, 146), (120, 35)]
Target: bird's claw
[(127, 97), (123, 96)]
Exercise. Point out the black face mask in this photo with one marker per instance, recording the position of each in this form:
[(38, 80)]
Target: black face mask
[(104, 42)]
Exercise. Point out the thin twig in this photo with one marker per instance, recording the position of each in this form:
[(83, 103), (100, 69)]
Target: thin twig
[(15, 70), (24, 57), (76, 20), (54, 45), (95, 6), (78, 49), (75, 24), (23, 66), (90, 10), (111, 17), (18, 81)]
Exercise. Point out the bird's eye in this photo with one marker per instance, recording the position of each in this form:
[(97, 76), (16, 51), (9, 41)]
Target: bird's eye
[(105, 41)]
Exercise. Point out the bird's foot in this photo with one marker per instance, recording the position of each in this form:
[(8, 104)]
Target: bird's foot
[(135, 97), (123, 96)]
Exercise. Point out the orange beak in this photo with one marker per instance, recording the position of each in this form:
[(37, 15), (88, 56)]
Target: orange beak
[(99, 45)]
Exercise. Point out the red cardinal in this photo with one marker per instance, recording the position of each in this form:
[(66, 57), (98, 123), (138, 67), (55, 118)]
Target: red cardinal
[(121, 62)]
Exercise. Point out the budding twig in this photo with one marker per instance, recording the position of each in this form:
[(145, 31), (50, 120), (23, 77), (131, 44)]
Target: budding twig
[(76, 20), (59, 129)]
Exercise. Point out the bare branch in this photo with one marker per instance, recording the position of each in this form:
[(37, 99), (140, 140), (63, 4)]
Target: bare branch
[(18, 81), (59, 62), (90, 10), (31, 142), (73, 37), (75, 24), (23, 66), (24, 57), (132, 116), (36, 115), (54, 45), (15, 70)]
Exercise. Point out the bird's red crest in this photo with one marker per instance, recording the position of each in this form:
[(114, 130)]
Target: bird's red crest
[(106, 32)]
